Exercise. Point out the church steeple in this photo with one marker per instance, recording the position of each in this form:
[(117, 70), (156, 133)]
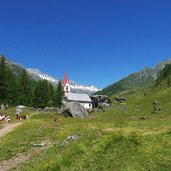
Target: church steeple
[(67, 88)]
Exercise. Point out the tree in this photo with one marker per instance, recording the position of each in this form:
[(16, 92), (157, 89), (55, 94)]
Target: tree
[(51, 95), (25, 89), (59, 93), (41, 94), (12, 82), (164, 74), (3, 79), (168, 82)]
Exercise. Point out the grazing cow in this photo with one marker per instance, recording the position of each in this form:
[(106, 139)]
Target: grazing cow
[(8, 119), (21, 117), (5, 118)]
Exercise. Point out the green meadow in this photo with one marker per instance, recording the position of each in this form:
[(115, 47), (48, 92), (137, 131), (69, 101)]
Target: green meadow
[(129, 138)]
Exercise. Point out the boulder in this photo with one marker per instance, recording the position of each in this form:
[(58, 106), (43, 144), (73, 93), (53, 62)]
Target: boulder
[(120, 99), (21, 107), (18, 111), (2, 107), (100, 99), (105, 104), (76, 110), (49, 109)]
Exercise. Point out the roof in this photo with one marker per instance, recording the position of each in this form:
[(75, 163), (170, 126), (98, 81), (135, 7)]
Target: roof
[(66, 80), (78, 97)]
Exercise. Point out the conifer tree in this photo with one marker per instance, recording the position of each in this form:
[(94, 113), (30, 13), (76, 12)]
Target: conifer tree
[(164, 74), (41, 94), (3, 79), (51, 95), (25, 90), (12, 82), (59, 93)]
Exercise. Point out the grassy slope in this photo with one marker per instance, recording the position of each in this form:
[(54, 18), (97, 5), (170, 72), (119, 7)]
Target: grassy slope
[(114, 140)]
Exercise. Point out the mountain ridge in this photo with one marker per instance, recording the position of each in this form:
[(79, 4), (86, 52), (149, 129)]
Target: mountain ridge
[(36, 75), (141, 78)]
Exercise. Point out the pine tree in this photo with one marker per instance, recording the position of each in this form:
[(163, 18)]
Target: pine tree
[(51, 95), (25, 89), (41, 94), (59, 93), (12, 82), (164, 74), (3, 79), (168, 82)]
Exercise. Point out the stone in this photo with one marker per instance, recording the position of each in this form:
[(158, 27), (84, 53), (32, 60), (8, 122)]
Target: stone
[(76, 110), (70, 139), (143, 118)]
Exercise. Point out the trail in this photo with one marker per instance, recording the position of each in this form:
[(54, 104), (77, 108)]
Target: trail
[(13, 162), (7, 128)]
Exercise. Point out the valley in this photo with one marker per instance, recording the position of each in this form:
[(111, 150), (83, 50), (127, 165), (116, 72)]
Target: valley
[(112, 140)]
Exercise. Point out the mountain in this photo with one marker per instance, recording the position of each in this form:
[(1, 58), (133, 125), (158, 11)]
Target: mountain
[(81, 88), (75, 87), (135, 80), (36, 75), (39, 75)]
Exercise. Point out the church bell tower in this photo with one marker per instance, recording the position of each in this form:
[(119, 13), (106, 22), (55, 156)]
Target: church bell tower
[(67, 88)]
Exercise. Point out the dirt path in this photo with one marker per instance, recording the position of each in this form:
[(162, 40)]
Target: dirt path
[(8, 127), (13, 162)]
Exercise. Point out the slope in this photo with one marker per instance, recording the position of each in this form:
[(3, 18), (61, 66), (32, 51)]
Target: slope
[(114, 140), (136, 80)]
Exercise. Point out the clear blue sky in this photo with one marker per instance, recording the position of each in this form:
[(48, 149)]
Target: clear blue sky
[(98, 41)]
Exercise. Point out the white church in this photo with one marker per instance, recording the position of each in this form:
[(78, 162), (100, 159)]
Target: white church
[(83, 99)]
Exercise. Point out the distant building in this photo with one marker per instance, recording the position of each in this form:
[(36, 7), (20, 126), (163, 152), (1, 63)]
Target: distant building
[(67, 87), (83, 99)]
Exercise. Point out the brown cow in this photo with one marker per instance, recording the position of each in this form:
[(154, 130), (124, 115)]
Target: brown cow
[(21, 117)]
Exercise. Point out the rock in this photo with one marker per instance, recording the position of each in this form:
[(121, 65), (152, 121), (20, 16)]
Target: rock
[(49, 109), (143, 118), (155, 102), (39, 110), (38, 145), (100, 99), (70, 139), (90, 110), (120, 99), (60, 111), (3, 107), (21, 107), (18, 111), (105, 104), (76, 110)]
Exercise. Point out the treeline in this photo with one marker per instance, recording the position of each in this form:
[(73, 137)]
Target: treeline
[(164, 74), (22, 90)]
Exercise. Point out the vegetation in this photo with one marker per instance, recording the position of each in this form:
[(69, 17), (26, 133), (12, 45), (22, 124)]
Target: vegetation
[(131, 135), (19, 89), (59, 94), (164, 74), (114, 140), (3, 79)]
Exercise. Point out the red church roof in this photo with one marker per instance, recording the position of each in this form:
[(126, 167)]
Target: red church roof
[(66, 80)]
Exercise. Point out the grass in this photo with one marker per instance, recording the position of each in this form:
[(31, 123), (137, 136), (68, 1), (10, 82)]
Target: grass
[(113, 140)]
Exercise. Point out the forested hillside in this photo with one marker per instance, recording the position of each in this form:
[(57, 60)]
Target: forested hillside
[(17, 88)]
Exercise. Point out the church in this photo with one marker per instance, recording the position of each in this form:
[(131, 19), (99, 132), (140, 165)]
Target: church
[(83, 99)]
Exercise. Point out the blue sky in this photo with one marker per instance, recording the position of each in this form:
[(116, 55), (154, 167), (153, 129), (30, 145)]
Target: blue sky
[(97, 41)]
